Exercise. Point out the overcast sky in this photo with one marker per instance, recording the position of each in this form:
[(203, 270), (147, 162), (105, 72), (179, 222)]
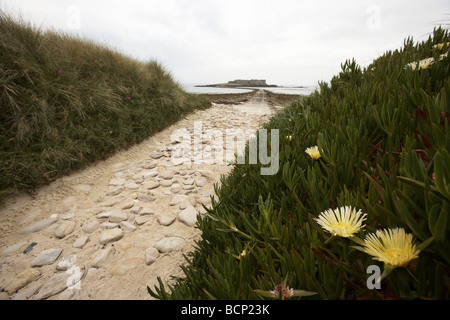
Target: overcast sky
[(287, 42)]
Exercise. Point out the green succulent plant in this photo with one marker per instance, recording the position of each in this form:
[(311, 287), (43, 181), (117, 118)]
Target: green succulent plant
[(383, 137)]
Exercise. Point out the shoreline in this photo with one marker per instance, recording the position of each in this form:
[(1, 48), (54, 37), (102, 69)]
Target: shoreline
[(273, 99), (235, 86)]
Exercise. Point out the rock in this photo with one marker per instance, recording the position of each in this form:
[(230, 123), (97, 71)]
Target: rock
[(200, 182), (80, 242), (30, 247), (186, 203), (207, 174), (67, 262), (131, 186), (175, 188), (156, 155), (125, 225), (111, 235), (98, 210), (26, 293), (136, 210), (151, 165), (64, 228), (147, 211), (170, 244), (53, 286), (108, 225), (103, 258), (188, 187), (193, 200), (151, 255), (110, 203), (38, 226), (146, 198), (14, 248), (150, 173), (90, 227), (115, 191), (117, 182), (127, 205), (166, 175), (188, 181), (92, 271), (66, 294), (209, 194), (68, 216), (46, 257), (166, 183), (188, 216), (22, 280), (137, 177), (126, 266), (166, 219), (178, 199), (103, 215), (117, 216), (141, 220), (152, 185), (77, 274), (204, 200), (178, 161)]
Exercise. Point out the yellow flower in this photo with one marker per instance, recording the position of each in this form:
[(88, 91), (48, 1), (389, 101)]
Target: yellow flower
[(439, 46), (342, 222), (426, 63), (411, 65), (394, 247), (313, 152), (423, 64), (289, 138)]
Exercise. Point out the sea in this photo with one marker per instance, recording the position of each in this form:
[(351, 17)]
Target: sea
[(294, 90)]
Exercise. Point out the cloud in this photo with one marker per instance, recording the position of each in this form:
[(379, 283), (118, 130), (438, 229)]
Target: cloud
[(204, 41)]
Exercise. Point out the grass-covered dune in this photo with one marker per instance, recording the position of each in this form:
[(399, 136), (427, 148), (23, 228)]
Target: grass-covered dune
[(66, 102), (383, 141)]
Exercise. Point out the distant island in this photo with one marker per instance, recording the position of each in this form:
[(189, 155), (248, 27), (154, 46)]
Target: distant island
[(241, 83)]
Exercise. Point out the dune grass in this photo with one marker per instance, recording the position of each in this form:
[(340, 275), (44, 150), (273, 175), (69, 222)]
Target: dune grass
[(382, 134), (66, 102)]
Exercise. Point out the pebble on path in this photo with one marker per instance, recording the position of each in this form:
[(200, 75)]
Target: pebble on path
[(38, 226), (111, 235), (46, 257), (22, 280), (170, 244)]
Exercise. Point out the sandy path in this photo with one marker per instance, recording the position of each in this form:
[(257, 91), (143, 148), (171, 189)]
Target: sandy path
[(85, 207)]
